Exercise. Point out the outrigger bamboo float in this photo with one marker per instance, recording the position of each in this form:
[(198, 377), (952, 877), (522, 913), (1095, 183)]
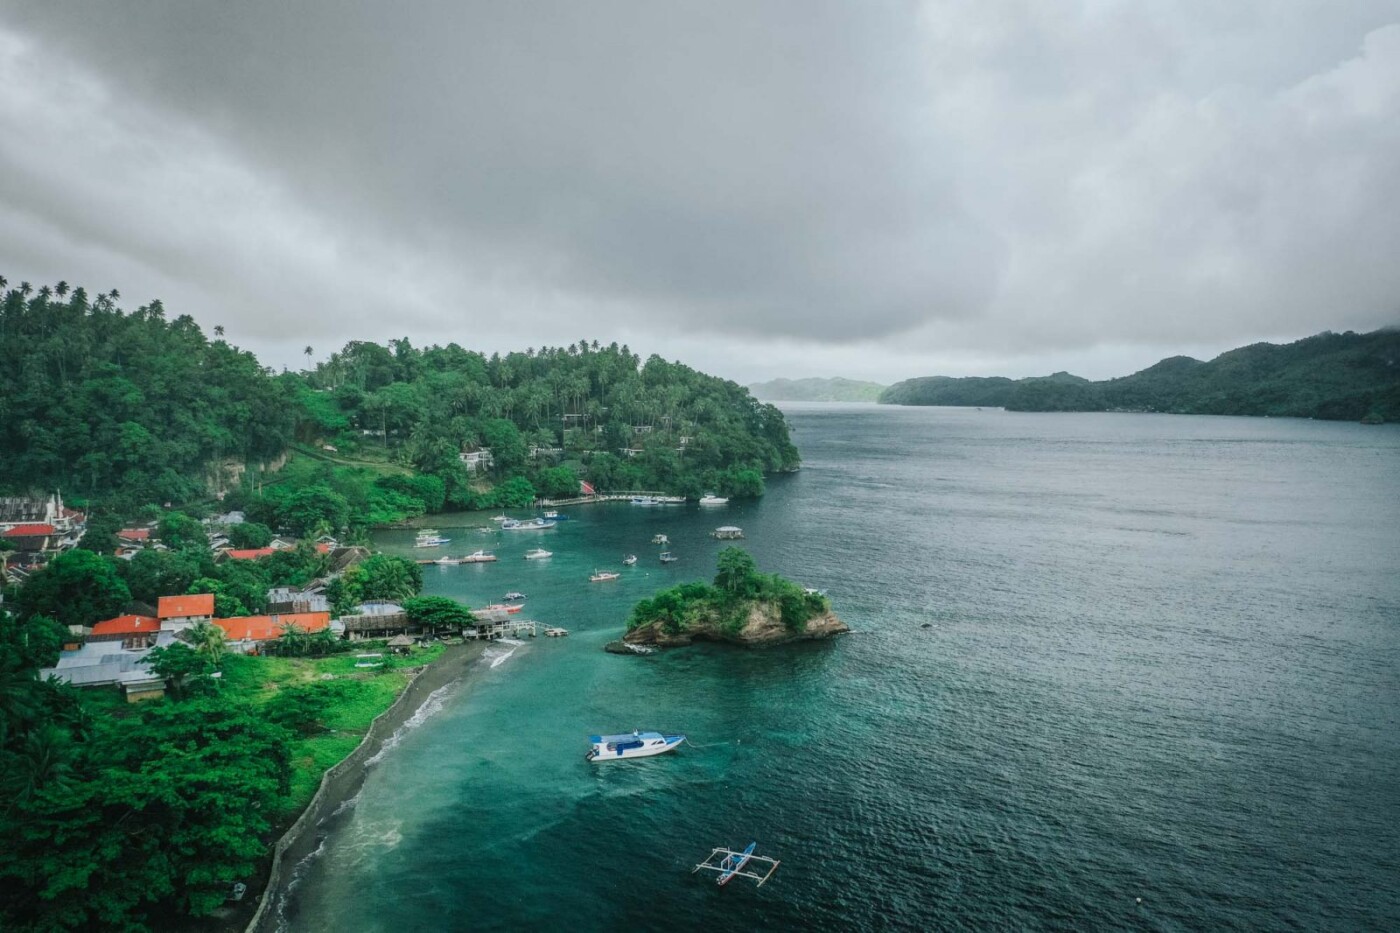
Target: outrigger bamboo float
[(730, 865)]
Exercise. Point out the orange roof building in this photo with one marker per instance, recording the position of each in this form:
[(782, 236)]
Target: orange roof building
[(269, 628), (195, 606), (253, 553), (122, 626), (30, 531)]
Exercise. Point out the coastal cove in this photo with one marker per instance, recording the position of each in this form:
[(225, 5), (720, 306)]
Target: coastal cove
[(1161, 662)]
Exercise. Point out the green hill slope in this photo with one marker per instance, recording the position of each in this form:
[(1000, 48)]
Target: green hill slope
[(817, 390)]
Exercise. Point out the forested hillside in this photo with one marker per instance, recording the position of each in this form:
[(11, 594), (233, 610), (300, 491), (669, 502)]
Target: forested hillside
[(132, 408), (1347, 377), (103, 403)]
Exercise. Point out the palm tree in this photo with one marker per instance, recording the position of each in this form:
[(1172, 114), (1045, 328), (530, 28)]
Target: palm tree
[(308, 352), (3, 281), (61, 288), (115, 295), (218, 330), (208, 639), (25, 288), (45, 291)]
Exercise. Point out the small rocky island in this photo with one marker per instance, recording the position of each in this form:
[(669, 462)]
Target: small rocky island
[(741, 607)]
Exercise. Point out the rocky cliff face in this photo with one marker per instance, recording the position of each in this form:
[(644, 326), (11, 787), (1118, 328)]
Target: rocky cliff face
[(764, 626)]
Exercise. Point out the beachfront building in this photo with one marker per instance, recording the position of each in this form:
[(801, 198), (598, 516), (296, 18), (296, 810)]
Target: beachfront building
[(249, 634), (476, 460)]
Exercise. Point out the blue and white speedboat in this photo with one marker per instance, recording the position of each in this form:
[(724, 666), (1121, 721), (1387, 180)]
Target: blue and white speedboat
[(631, 745)]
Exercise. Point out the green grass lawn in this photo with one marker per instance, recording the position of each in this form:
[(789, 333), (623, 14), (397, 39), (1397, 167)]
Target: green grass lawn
[(361, 696)]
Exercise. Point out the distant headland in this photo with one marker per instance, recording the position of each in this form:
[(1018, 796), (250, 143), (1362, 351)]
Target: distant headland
[(816, 390), (1335, 377)]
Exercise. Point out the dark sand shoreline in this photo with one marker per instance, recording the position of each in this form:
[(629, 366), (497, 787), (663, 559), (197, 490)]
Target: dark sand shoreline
[(343, 781)]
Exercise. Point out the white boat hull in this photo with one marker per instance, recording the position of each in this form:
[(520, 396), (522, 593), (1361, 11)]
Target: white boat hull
[(643, 746)]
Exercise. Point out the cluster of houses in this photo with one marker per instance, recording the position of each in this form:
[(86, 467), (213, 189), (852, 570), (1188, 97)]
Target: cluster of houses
[(35, 527), (113, 652)]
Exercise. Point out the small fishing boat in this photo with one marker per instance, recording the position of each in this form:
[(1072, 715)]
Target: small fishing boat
[(730, 865), (538, 553), (532, 524), (631, 745), (512, 596), (429, 537), (629, 560), (554, 516), (446, 562), (500, 518), (710, 498), (668, 558), (512, 609), (556, 632), (602, 576), (643, 500), (479, 557), (727, 532), (660, 539)]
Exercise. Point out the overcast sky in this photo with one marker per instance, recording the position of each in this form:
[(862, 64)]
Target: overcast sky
[(874, 190)]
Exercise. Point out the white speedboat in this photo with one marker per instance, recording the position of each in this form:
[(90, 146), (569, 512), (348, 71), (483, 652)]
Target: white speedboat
[(643, 500), (511, 596), (631, 745), (479, 557), (629, 560), (538, 553), (602, 576), (710, 498), (533, 524)]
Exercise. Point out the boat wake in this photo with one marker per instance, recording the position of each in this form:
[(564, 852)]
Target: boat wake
[(431, 707), (495, 658)]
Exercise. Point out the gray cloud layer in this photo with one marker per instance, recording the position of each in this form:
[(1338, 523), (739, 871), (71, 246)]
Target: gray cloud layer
[(990, 179)]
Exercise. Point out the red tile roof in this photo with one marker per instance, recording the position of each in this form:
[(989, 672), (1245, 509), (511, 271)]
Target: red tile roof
[(174, 607), (268, 628), (28, 531), (134, 534), (323, 549), (252, 553), (126, 625)]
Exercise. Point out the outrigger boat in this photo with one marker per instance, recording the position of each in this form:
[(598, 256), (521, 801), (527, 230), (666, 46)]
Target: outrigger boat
[(512, 609), (731, 865), (631, 745), (602, 576)]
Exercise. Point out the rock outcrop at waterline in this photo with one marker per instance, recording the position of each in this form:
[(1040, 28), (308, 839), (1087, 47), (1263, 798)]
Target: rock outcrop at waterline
[(763, 625)]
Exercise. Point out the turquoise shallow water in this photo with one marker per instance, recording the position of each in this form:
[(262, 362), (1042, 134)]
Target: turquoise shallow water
[(1162, 662)]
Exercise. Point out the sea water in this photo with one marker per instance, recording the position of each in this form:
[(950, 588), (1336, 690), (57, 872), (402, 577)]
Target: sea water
[(1109, 671)]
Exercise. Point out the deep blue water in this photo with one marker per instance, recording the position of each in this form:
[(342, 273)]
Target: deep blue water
[(1162, 662)]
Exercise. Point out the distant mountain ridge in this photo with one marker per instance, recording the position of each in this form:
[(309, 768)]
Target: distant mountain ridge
[(1337, 377), (834, 389)]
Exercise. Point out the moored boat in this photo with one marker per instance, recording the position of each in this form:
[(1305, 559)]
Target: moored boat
[(631, 745), (512, 595), (660, 539), (668, 558), (710, 498), (629, 560), (643, 500), (502, 607), (727, 532), (602, 576), (538, 553), (532, 524), (478, 557), (429, 537), (668, 500), (554, 516)]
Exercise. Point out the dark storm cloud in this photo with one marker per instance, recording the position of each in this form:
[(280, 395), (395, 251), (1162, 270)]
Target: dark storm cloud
[(994, 177)]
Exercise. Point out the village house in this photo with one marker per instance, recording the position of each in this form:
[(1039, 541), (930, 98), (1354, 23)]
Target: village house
[(33, 537), (476, 460), (133, 631), (286, 599), (178, 613), (30, 510)]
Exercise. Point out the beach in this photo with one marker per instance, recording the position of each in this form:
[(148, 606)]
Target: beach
[(340, 786)]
